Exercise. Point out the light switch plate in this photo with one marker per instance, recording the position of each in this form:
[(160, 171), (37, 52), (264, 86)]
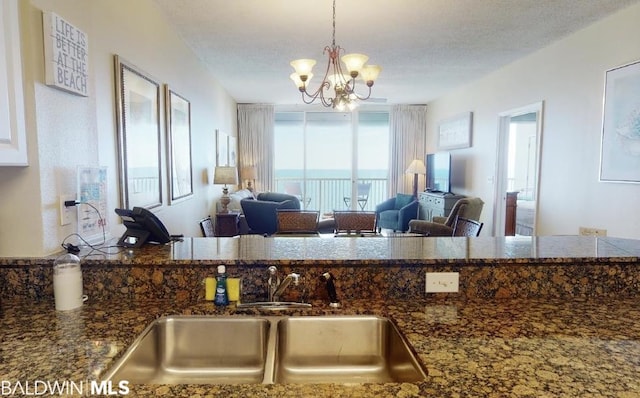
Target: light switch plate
[(442, 282)]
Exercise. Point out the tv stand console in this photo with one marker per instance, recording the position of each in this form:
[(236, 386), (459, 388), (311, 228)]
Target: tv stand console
[(439, 204)]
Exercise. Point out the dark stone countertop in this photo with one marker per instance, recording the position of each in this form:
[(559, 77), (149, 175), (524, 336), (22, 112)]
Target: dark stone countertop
[(563, 324), (519, 347)]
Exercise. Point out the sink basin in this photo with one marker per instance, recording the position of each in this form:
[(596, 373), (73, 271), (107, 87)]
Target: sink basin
[(193, 350), (267, 350), (273, 305), (343, 349)]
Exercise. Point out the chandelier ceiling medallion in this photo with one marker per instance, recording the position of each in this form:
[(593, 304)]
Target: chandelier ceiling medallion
[(343, 84)]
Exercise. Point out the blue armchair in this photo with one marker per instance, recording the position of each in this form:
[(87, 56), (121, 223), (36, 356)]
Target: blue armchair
[(260, 213), (395, 213)]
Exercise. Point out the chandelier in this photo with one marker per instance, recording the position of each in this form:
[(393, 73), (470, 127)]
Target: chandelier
[(343, 84)]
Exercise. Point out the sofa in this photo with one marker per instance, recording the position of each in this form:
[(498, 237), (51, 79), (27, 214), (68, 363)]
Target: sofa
[(260, 213)]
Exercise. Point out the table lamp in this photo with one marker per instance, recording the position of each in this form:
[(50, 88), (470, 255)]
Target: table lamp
[(416, 167), (225, 175), (249, 174)]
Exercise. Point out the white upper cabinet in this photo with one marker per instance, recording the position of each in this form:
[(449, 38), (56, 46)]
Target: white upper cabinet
[(13, 139)]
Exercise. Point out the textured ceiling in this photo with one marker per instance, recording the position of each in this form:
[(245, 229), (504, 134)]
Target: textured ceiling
[(425, 47)]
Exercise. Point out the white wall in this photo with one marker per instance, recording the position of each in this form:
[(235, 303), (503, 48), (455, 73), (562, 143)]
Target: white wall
[(569, 77), (66, 131)]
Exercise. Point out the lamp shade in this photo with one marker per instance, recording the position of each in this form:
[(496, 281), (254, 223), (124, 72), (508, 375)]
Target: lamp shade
[(369, 73), (354, 62), (225, 175), (416, 167), (303, 67), (249, 172)]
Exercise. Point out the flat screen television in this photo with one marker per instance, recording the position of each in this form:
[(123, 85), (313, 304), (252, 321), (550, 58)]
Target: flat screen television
[(438, 172)]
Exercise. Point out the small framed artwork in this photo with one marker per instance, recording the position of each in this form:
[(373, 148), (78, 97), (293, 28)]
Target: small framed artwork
[(222, 149), (233, 151), (620, 149), (138, 114), (178, 113), (455, 132)]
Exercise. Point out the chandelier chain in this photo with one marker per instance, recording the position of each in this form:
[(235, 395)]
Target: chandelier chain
[(333, 42)]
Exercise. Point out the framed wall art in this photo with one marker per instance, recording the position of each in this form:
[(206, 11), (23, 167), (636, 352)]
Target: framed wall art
[(178, 113), (222, 149), (233, 151), (66, 53), (620, 146), (455, 132), (138, 114)]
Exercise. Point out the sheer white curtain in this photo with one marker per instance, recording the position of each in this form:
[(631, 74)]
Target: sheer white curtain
[(255, 142), (408, 125)]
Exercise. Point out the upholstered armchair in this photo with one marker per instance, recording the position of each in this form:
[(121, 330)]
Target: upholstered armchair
[(469, 208), (395, 213), (260, 213)]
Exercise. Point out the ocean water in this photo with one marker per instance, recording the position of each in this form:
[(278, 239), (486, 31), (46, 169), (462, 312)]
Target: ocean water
[(329, 173), (326, 190)]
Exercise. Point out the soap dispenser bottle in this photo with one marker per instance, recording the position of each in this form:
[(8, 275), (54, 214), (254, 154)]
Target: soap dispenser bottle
[(222, 297)]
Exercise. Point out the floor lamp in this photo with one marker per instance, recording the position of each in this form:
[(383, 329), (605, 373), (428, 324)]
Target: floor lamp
[(416, 167)]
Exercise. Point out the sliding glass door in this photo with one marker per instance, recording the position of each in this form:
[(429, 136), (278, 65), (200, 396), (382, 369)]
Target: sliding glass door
[(332, 160), (372, 166)]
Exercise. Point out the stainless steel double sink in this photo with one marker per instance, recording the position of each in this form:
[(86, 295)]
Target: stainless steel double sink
[(267, 350)]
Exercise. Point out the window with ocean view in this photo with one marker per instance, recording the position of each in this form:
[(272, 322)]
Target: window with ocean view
[(332, 160)]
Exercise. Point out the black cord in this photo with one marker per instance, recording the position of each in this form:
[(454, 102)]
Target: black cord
[(71, 248)]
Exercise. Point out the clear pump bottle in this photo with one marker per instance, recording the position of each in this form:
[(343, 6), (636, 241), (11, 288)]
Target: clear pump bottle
[(222, 297)]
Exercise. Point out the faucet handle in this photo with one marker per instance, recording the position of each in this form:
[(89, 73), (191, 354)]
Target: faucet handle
[(273, 281), (331, 290)]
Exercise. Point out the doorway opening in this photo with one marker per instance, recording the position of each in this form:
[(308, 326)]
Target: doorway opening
[(518, 171)]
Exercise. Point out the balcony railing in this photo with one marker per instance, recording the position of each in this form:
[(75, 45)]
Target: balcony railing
[(328, 194)]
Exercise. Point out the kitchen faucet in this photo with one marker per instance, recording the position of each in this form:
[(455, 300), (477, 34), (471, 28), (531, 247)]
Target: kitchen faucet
[(276, 287)]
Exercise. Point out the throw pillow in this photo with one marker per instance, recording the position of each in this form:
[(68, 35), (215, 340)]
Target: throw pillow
[(402, 200), (236, 197)]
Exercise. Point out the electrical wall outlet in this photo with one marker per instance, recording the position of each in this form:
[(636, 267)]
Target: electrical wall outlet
[(442, 282), (587, 231), (65, 212)]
